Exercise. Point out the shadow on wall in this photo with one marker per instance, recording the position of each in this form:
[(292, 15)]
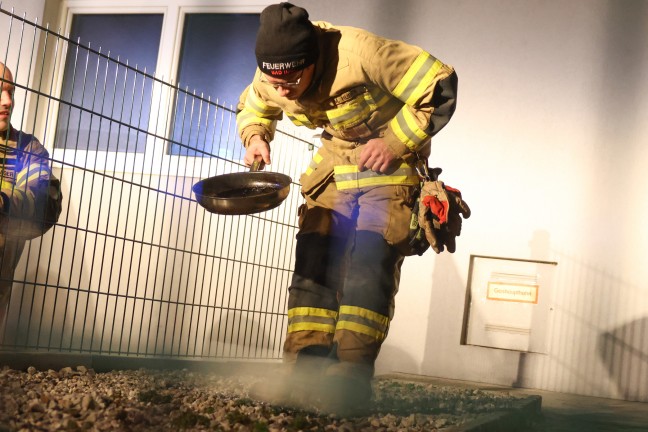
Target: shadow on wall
[(41, 314), (447, 301), (393, 359), (51, 306), (624, 352), (620, 100), (540, 246)]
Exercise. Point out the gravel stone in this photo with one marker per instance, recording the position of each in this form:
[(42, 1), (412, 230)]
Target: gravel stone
[(176, 400)]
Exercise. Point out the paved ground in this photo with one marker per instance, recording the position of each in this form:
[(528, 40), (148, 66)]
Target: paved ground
[(563, 412), (572, 413)]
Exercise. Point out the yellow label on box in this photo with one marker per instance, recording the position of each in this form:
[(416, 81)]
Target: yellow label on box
[(512, 292)]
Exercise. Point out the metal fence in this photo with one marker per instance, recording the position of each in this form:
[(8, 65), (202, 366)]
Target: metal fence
[(134, 266)]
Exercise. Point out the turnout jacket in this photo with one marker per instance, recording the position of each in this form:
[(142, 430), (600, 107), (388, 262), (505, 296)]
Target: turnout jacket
[(30, 195), (364, 86)]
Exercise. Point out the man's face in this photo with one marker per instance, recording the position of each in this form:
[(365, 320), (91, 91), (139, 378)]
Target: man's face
[(6, 99), (291, 86)]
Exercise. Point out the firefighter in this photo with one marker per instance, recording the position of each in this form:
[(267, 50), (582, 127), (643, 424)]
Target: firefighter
[(30, 197), (378, 103)]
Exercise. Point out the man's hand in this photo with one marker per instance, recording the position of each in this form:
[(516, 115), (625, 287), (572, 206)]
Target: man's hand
[(376, 156), (258, 148)]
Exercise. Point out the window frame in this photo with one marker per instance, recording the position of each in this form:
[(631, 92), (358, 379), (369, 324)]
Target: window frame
[(154, 160)]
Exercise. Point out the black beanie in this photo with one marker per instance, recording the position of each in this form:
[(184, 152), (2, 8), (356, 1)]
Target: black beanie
[(286, 41)]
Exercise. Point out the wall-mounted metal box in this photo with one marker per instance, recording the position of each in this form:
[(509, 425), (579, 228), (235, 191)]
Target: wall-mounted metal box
[(508, 303)]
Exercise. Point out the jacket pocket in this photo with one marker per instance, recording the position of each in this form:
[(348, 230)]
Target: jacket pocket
[(318, 173), (352, 111)]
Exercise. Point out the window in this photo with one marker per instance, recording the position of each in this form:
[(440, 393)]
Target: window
[(95, 89), (216, 58), (110, 108)]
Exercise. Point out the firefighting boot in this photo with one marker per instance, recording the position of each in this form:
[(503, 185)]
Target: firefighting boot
[(297, 384), (307, 373), (273, 388), (346, 390)]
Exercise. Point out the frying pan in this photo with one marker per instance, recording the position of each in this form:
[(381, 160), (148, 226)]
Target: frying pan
[(242, 193)]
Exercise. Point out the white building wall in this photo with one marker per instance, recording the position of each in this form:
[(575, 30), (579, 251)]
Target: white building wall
[(548, 147)]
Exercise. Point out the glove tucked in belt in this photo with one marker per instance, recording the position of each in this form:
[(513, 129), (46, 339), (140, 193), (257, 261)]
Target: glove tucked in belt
[(440, 212), (436, 216)]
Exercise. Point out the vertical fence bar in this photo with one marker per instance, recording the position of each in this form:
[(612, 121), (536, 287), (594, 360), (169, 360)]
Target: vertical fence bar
[(141, 268)]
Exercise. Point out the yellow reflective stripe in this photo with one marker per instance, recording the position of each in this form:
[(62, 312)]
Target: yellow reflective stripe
[(350, 177), (375, 325), (314, 162), (358, 109), (246, 118), (256, 105), (413, 125), (256, 111), (300, 120), (380, 319), (311, 318), (407, 130), (377, 181), (311, 311), (424, 82), (346, 169), (34, 172), (409, 75), (294, 119), (349, 170), (360, 328), (384, 97), (304, 326), (352, 112), (418, 78)]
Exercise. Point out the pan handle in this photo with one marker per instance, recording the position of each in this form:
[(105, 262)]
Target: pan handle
[(256, 165)]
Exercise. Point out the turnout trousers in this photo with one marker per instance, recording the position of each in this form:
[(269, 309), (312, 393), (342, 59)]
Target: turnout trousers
[(350, 248), (10, 251)]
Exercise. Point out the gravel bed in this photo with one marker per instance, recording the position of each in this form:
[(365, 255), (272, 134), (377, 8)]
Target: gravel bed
[(173, 400)]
